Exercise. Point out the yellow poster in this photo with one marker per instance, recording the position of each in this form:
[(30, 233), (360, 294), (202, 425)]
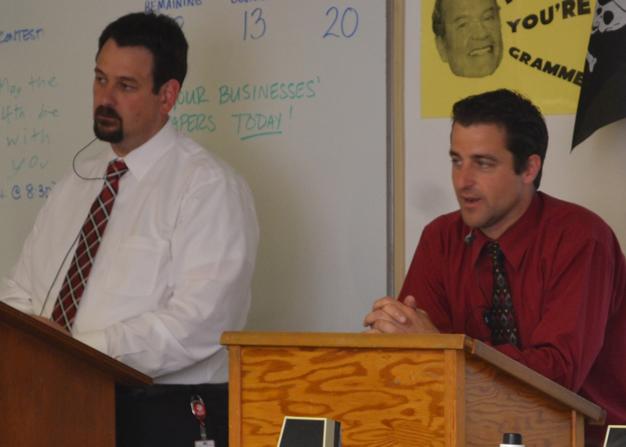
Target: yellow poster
[(536, 47)]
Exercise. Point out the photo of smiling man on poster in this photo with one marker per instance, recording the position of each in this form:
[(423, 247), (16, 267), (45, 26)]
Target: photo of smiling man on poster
[(467, 47), (468, 36)]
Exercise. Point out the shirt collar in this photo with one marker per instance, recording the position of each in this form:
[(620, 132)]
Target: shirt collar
[(514, 241), (141, 159)]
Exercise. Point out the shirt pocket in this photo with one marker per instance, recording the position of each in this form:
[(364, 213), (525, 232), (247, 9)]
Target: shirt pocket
[(139, 261)]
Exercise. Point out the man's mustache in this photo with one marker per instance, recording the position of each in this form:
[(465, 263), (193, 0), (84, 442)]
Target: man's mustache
[(106, 112)]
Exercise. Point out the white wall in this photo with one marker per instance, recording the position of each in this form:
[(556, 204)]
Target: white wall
[(594, 175)]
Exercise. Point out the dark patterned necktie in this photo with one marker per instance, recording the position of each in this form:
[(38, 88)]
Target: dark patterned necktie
[(500, 318), (88, 243)]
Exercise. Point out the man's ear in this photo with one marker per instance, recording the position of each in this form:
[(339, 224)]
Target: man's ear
[(441, 48), (168, 93), (533, 166)]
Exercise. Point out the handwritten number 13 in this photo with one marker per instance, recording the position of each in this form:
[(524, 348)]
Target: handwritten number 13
[(258, 25)]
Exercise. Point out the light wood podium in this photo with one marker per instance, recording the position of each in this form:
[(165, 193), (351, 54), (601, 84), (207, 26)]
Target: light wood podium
[(54, 390), (396, 390)]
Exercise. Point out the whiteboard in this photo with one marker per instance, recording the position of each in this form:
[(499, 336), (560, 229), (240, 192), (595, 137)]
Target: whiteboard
[(291, 93)]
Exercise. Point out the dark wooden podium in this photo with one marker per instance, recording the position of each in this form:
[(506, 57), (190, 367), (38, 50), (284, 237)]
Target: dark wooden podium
[(54, 390), (396, 390)]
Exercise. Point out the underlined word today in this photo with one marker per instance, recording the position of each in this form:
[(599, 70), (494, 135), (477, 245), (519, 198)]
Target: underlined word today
[(250, 125)]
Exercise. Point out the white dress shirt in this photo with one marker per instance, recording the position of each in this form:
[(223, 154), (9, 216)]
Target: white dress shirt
[(174, 267)]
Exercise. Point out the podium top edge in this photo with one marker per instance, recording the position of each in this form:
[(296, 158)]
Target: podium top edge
[(346, 340)]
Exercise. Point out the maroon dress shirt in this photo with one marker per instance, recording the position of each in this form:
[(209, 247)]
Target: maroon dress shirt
[(567, 276)]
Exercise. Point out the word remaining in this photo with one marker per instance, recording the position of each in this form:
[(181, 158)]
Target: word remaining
[(162, 5)]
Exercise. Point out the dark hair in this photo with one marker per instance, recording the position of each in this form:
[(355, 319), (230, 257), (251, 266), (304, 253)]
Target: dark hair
[(438, 26), (526, 131), (160, 35)]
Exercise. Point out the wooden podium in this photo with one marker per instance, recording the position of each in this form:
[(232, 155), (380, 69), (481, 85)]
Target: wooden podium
[(54, 390), (396, 390)]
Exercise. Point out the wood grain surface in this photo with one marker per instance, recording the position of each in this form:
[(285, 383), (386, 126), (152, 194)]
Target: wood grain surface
[(497, 403), (49, 399), (381, 397), (438, 390)]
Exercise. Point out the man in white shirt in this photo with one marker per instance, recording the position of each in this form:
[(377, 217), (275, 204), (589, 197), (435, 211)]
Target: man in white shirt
[(174, 265)]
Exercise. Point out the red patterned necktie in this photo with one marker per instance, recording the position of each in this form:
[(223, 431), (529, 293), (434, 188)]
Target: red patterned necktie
[(500, 317), (88, 242)]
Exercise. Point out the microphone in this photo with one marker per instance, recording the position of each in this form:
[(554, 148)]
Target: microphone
[(56, 275), (76, 157), (469, 237), (69, 250)]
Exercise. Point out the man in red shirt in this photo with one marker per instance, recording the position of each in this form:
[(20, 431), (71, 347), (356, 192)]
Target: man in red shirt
[(540, 279)]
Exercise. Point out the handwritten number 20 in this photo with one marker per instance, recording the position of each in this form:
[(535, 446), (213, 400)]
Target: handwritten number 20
[(257, 27), (347, 26)]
